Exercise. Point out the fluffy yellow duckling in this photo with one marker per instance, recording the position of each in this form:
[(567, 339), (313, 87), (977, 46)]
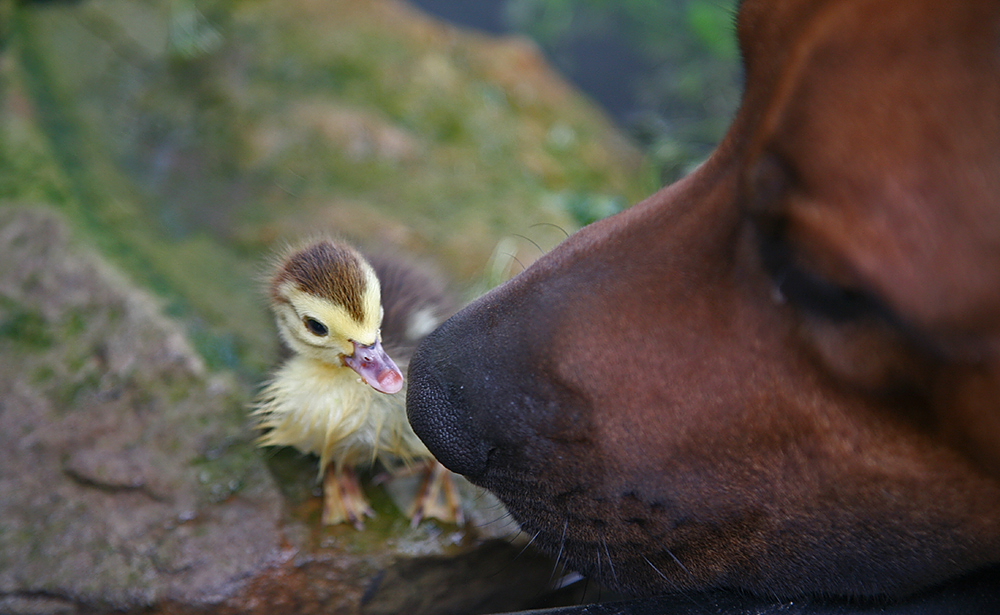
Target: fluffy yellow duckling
[(340, 395)]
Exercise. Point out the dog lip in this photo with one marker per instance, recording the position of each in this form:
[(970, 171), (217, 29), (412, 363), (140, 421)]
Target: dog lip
[(438, 419)]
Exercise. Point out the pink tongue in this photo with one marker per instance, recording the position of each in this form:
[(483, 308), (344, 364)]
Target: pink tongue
[(375, 367)]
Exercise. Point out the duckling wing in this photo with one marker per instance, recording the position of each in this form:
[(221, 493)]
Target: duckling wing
[(415, 299)]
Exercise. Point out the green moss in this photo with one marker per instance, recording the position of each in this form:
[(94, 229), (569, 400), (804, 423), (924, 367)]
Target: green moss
[(185, 162), (43, 375), (69, 391), (222, 471), (294, 473), (24, 327), (75, 324)]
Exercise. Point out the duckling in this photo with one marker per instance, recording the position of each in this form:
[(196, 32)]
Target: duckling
[(340, 395)]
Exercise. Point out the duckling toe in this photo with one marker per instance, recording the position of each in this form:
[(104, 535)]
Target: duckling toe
[(437, 498), (344, 500)]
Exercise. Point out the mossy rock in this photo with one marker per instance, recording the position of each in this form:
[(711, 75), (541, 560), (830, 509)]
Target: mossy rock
[(152, 154)]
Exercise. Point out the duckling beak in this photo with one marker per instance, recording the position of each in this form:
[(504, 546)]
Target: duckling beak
[(375, 367)]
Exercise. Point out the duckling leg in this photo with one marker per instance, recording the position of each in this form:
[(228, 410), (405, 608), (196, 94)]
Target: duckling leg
[(438, 497), (343, 498)]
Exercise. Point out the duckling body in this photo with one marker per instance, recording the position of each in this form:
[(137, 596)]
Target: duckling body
[(327, 410), (340, 395)]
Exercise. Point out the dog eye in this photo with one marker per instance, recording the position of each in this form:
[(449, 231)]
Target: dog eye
[(769, 183), (315, 326), (821, 297), (810, 291)]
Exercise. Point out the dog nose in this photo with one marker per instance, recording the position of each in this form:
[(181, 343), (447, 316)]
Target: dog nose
[(436, 402)]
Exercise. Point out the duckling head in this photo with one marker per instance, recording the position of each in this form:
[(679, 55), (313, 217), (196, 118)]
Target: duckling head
[(327, 303)]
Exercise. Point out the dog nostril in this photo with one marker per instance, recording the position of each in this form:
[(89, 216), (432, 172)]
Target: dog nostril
[(440, 420)]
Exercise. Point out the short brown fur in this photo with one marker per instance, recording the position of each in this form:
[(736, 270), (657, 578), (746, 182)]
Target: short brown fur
[(782, 373)]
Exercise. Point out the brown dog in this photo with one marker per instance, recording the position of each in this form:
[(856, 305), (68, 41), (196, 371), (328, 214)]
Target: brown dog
[(782, 373)]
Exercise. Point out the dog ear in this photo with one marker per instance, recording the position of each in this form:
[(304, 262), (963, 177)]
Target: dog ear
[(915, 242), (920, 233)]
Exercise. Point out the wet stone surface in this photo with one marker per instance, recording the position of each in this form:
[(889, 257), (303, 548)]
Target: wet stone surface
[(131, 481), (111, 493)]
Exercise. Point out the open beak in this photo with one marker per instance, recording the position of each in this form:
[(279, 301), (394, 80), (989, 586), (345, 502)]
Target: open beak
[(375, 367)]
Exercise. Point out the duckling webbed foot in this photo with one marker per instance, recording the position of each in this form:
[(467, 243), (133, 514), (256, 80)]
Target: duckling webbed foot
[(344, 500), (437, 498)]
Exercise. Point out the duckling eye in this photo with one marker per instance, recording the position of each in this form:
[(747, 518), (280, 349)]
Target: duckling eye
[(315, 326)]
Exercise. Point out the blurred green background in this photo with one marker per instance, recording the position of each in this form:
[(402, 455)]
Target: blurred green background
[(187, 138), (166, 148), (666, 70)]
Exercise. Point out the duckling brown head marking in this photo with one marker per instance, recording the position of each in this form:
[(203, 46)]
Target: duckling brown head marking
[(324, 269)]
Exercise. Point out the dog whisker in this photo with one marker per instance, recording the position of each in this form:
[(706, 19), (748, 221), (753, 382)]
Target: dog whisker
[(611, 564), (562, 545), (519, 553), (678, 562), (568, 579), (498, 518), (531, 241), (552, 225), (526, 546), (676, 587), (516, 259)]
